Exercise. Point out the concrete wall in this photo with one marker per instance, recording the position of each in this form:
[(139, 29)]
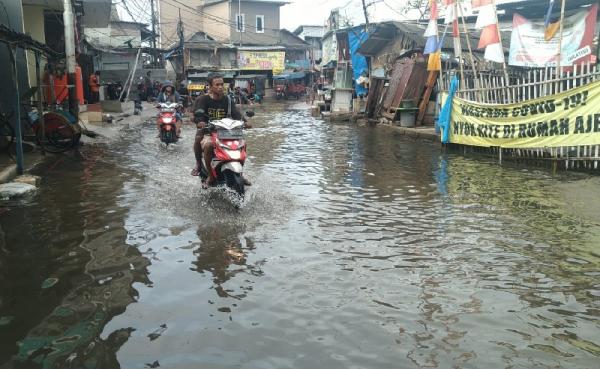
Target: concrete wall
[(329, 49), (33, 22), (115, 35), (215, 23), (224, 27), (271, 23), (223, 59), (168, 15)]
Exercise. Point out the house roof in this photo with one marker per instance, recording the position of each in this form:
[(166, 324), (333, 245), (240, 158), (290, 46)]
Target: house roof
[(277, 2), (201, 40), (536, 9), (386, 32), (310, 31)]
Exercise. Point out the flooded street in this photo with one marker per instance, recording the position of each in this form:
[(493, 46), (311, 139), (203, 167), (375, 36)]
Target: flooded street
[(355, 248)]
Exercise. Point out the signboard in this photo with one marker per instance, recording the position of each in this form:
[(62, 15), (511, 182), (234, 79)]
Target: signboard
[(262, 60), (528, 47), (570, 118)]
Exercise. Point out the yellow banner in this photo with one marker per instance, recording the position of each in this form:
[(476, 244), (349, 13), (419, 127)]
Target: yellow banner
[(262, 60), (570, 118)]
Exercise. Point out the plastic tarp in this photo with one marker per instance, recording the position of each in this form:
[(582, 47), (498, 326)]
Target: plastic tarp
[(359, 62), (446, 113), (289, 76)]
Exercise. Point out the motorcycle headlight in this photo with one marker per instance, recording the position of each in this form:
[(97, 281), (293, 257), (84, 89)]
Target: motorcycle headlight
[(167, 120)]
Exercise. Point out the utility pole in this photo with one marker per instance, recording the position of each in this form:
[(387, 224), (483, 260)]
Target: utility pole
[(153, 20), (69, 23), (240, 21), (366, 15), (181, 45)]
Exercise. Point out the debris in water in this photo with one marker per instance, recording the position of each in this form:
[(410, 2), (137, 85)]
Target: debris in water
[(49, 282), (158, 332)]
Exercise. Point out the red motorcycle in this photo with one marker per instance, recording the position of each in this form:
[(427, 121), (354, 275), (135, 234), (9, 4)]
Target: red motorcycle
[(167, 119), (229, 156)]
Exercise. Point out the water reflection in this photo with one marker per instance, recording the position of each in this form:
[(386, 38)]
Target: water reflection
[(223, 252), (79, 271), (381, 252)]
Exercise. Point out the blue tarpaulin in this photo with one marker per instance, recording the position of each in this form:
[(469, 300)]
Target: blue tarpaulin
[(446, 113), (359, 62)]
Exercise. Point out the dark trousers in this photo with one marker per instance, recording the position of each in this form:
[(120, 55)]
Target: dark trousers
[(94, 97)]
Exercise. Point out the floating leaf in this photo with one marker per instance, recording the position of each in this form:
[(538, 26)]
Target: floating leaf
[(49, 282)]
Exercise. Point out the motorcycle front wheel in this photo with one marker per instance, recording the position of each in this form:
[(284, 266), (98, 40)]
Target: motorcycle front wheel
[(234, 181)]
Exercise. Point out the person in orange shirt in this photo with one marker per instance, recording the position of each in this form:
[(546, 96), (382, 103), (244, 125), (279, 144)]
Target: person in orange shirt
[(61, 83), (94, 83)]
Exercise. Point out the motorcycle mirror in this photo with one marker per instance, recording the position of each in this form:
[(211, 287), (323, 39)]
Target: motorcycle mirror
[(249, 114)]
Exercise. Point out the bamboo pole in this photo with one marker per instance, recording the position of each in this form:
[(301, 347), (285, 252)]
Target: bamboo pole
[(504, 67), (560, 38), (475, 76), (460, 58)]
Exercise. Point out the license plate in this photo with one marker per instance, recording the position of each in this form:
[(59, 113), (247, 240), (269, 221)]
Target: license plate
[(234, 134)]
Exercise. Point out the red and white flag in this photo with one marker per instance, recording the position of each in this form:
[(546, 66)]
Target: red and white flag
[(479, 3), (486, 16)]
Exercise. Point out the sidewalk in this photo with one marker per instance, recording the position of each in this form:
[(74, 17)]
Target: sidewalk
[(8, 166), (106, 132), (425, 133)]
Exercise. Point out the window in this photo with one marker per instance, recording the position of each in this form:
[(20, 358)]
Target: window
[(260, 24), (240, 22)]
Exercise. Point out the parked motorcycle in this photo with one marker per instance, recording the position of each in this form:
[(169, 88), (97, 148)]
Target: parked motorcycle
[(167, 119), (229, 156), (280, 92)]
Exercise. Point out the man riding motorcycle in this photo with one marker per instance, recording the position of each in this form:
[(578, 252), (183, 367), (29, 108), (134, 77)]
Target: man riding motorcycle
[(169, 95), (217, 106)]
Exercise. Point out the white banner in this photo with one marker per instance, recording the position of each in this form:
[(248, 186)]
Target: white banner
[(528, 47)]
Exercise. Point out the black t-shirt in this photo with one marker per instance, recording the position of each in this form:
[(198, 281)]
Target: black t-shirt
[(216, 109)]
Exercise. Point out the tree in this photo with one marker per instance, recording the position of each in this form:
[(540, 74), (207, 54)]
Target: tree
[(422, 6)]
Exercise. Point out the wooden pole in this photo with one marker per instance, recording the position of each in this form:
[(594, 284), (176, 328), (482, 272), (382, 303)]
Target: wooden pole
[(475, 75), (460, 58), (560, 38), (13, 50), (40, 108), (132, 75), (500, 38)]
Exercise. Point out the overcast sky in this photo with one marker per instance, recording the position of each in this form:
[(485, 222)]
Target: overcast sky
[(316, 12)]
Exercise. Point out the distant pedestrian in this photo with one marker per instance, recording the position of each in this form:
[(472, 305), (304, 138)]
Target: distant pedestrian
[(94, 83)]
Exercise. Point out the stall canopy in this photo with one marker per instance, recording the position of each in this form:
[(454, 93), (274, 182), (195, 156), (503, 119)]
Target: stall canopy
[(289, 76)]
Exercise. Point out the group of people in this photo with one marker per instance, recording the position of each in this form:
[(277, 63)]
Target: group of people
[(217, 105)]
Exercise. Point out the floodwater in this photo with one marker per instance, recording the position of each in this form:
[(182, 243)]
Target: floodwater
[(355, 248)]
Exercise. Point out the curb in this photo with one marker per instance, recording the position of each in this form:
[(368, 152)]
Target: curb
[(8, 174), (417, 133)]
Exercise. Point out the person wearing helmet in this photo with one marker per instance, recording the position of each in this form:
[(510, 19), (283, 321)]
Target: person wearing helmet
[(169, 95)]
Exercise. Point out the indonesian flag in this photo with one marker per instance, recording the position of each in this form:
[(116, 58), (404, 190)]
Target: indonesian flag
[(489, 36), (456, 35), (490, 40)]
